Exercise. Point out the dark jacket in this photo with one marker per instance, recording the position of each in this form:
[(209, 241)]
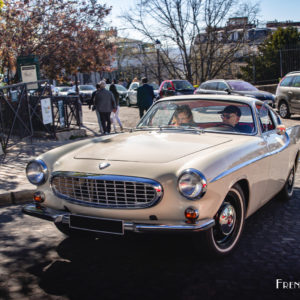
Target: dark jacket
[(113, 89), (145, 95), (104, 101)]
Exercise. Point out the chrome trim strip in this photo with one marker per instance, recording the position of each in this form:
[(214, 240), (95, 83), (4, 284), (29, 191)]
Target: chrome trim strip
[(156, 185), (42, 213), (61, 216), (251, 161)]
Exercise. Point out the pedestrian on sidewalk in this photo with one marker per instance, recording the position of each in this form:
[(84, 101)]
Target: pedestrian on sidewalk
[(105, 103), (145, 96), (92, 103), (115, 115)]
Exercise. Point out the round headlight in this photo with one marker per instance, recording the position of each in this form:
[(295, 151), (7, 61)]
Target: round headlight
[(37, 172), (192, 184)]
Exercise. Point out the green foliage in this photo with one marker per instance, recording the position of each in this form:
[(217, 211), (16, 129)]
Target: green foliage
[(266, 64)]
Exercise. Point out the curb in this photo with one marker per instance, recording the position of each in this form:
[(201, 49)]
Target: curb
[(18, 197)]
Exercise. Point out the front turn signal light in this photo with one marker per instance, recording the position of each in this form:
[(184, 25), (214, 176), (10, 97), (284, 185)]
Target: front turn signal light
[(39, 197), (191, 214)]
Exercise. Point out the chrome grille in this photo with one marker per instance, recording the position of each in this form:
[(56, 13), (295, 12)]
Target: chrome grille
[(108, 191)]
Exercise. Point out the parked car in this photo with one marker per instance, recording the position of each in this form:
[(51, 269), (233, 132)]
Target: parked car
[(288, 95), (62, 90), (175, 87), (235, 87), (85, 92), (131, 98), (203, 177), (122, 93)]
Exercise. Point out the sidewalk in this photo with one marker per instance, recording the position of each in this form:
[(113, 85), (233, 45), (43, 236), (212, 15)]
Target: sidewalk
[(14, 186)]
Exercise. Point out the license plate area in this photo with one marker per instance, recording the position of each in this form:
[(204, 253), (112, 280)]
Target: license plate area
[(97, 224)]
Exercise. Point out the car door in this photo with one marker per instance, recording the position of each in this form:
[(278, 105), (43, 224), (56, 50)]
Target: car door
[(294, 93), (222, 88), (132, 92), (276, 155)]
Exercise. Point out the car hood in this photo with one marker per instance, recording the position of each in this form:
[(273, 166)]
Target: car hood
[(86, 92), (148, 147)]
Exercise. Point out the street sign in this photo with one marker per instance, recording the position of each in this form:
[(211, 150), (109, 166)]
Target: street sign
[(29, 74)]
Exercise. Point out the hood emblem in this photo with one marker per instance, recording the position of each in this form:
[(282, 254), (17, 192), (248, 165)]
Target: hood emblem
[(104, 165)]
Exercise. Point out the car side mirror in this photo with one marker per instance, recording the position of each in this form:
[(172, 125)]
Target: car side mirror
[(281, 129), (227, 91)]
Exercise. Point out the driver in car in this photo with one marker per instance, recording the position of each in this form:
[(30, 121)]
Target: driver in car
[(183, 116), (231, 116)]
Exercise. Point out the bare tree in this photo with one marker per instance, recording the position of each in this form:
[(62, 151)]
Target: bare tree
[(196, 37)]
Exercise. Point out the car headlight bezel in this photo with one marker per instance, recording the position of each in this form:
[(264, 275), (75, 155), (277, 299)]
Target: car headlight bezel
[(38, 176), (192, 184)]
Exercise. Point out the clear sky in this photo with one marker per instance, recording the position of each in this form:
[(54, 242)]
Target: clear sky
[(270, 10)]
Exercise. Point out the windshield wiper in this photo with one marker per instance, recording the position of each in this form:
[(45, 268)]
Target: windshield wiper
[(172, 127)]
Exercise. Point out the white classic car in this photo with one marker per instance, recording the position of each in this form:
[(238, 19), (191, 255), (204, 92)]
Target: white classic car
[(199, 164)]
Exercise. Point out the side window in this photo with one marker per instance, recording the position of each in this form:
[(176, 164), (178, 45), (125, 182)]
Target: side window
[(275, 118), (222, 86), (296, 82), (165, 86), (287, 81), (211, 85), (203, 86), (266, 121)]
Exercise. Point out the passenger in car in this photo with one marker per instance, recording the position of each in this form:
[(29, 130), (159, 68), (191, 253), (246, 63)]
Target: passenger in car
[(183, 116), (231, 116)]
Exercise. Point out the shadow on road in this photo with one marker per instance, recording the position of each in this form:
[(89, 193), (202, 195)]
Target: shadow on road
[(167, 267)]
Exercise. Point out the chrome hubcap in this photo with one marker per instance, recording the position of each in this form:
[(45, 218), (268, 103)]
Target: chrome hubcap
[(227, 219), (283, 110)]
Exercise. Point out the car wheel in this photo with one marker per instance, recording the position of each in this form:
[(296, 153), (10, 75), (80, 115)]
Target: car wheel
[(287, 191), (222, 238), (284, 110), (128, 102)]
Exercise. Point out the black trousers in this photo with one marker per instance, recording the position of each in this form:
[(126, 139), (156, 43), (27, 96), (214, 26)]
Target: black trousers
[(142, 109), (105, 121)]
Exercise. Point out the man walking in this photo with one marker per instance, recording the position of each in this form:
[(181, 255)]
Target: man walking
[(145, 96), (104, 103)]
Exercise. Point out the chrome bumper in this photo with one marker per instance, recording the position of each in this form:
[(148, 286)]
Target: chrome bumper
[(63, 217)]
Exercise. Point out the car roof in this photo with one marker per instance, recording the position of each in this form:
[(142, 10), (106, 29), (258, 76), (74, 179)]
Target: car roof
[(211, 80), (292, 73), (232, 98)]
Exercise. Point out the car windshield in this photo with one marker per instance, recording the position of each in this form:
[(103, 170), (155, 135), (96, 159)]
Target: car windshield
[(199, 115), (182, 85), (86, 88), (241, 86)]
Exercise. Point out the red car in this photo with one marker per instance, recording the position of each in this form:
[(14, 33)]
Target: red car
[(175, 87)]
